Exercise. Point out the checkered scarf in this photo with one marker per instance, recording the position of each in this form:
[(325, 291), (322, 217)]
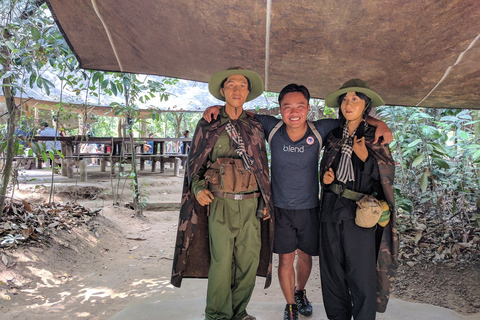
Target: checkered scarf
[(239, 145), (345, 168)]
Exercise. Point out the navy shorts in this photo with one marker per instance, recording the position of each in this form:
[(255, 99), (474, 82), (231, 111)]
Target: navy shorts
[(296, 229)]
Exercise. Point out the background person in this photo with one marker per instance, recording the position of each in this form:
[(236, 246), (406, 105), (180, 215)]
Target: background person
[(50, 145), (149, 145), (186, 134)]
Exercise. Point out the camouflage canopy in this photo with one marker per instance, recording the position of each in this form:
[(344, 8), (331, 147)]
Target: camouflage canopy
[(411, 52)]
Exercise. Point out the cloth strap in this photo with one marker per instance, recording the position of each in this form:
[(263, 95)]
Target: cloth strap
[(345, 168), (344, 192), (239, 145)]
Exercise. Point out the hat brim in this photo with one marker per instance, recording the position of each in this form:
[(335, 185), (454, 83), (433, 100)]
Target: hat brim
[(331, 100), (217, 79)]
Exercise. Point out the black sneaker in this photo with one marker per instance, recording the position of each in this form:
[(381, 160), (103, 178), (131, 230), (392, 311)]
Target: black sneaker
[(303, 305), (291, 312)]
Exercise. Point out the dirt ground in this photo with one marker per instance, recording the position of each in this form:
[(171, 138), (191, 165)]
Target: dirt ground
[(94, 270)]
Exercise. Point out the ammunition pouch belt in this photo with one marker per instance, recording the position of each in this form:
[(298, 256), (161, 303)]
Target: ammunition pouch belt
[(227, 175)]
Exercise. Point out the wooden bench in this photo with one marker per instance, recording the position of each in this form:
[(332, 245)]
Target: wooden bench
[(175, 158), (20, 159)]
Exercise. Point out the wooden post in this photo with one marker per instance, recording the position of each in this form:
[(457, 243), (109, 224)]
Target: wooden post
[(69, 166), (103, 164), (154, 162), (162, 164), (176, 171), (82, 164), (64, 167)]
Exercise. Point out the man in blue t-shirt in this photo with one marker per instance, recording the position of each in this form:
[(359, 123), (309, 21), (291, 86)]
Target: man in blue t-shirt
[(148, 147), (295, 187)]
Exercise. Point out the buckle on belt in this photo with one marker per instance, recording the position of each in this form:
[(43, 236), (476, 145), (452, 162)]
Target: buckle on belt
[(337, 188), (238, 196)]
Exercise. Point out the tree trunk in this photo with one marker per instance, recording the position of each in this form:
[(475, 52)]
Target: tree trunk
[(136, 190), (9, 150), (178, 117), (143, 128)]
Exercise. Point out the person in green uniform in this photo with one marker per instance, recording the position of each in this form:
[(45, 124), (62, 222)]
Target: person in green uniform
[(228, 173)]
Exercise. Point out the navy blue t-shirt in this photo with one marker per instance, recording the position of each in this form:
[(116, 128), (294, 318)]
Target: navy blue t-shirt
[(294, 165)]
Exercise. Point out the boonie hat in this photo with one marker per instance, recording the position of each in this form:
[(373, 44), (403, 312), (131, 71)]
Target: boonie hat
[(353, 85), (217, 79)]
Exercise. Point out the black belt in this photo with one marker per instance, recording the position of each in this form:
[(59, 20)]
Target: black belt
[(236, 196), (344, 192)]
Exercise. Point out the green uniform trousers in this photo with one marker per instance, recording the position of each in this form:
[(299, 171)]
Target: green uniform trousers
[(234, 232)]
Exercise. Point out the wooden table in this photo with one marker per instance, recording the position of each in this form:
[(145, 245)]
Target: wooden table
[(115, 149)]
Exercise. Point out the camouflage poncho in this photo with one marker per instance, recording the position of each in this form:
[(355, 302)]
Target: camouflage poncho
[(387, 261), (192, 254)]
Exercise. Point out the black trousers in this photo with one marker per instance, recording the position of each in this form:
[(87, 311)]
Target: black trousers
[(348, 270)]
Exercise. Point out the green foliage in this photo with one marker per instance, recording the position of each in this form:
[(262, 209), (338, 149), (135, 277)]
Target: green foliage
[(437, 156), (32, 41)]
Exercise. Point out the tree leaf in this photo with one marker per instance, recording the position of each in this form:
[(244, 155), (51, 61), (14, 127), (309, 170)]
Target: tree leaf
[(10, 45), (439, 149), (46, 87), (414, 143), (32, 79), (95, 77), (441, 163), (114, 88), (418, 160), (120, 88), (126, 83), (105, 84), (424, 181), (35, 33)]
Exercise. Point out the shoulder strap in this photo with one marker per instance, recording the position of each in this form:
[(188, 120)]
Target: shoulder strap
[(274, 130), (317, 134), (310, 124)]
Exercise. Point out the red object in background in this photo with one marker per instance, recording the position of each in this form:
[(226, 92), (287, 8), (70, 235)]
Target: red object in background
[(108, 149)]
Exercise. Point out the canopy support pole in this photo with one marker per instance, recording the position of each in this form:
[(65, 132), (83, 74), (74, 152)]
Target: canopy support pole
[(267, 41)]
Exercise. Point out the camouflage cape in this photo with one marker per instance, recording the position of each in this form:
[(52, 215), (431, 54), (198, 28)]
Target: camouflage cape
[(387, 261), (192, 253)]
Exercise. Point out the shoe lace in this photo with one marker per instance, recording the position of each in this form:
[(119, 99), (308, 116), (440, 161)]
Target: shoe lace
[(301, 297), (289, 315)]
